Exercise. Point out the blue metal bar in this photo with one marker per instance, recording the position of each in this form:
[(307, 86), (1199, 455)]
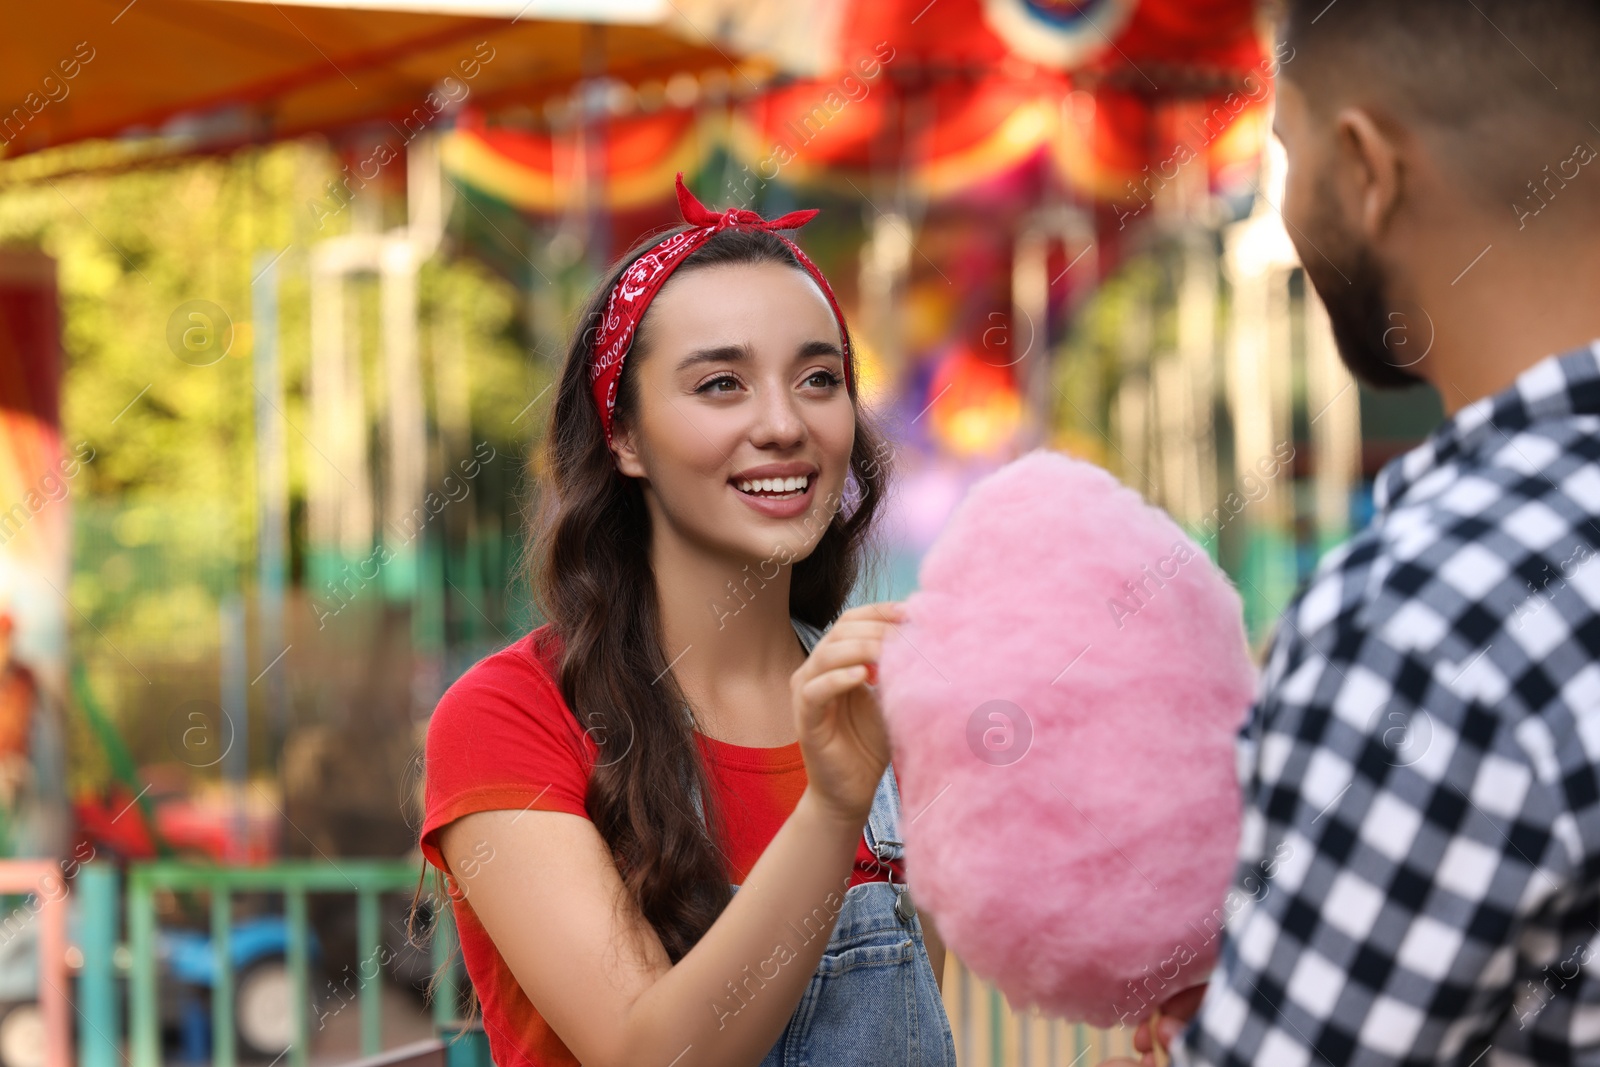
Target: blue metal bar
[(99, 1029)]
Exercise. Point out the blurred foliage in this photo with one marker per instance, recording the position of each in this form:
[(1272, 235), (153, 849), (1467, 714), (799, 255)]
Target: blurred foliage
[(1090, 361), (165, 515)]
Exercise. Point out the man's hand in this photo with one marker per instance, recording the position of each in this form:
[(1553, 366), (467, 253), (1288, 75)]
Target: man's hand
[(1175, 1015)]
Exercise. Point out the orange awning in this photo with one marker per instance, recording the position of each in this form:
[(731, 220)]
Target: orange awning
[(214, 73)]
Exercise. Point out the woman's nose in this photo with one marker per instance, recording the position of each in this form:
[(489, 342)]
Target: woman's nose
[(778, 420)]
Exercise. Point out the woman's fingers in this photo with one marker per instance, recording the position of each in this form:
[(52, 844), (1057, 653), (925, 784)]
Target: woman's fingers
[(869, 623), (882, 611), (842, 731), (846, 652), (817, 692), (850, 629), (868, 618), (846, 656)]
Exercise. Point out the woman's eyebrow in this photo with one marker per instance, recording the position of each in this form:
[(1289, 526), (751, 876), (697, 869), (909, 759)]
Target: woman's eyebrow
[(818, 348), (741, 353), (720, 354)]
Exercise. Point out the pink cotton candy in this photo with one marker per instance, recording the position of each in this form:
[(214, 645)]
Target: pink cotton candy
[(1082, 869)]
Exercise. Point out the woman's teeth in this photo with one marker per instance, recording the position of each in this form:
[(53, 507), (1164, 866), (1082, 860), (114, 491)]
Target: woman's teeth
[(778, 488)]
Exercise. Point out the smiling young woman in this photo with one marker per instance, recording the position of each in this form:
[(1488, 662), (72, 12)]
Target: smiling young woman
[(670, 831)]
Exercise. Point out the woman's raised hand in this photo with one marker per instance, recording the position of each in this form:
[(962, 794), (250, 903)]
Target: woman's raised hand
[(842, 733)]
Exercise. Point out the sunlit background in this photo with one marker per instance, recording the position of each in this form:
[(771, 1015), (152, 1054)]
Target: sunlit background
[(283, 291)]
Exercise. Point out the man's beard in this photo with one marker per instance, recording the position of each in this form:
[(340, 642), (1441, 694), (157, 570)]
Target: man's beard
[(1377, 342)]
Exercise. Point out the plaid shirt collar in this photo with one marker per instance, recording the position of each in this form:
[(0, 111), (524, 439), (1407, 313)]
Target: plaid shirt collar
[(1555, 387)]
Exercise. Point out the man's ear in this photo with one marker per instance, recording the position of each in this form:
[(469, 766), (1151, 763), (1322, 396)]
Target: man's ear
[(625, 450), (1370, 171)]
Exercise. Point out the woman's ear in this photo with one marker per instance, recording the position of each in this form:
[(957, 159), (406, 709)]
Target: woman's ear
[(625, 451)]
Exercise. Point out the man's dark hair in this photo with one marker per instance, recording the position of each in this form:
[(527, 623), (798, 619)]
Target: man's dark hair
[(1502, 87)]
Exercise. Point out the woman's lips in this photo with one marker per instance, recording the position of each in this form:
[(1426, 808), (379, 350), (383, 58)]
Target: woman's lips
[(779, 507)]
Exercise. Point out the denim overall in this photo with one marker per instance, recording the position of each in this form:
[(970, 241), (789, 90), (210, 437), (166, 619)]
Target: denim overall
[(873, 1001)]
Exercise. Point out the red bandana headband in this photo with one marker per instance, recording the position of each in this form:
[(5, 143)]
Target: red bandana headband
[(645, 276)]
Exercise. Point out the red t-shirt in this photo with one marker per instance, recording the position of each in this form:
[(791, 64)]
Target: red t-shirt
[(502, 737)]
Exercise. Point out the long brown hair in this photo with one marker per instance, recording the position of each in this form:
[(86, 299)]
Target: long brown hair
[(591, 576)]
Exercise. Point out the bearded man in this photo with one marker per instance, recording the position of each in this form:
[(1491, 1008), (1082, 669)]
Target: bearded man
[(1425, 746)]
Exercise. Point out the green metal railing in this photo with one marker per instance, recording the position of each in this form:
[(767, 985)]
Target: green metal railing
[(986, 1029), (366, 879)]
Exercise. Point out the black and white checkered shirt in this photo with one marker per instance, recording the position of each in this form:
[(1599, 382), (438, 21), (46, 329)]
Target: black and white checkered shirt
[(1421, 770)]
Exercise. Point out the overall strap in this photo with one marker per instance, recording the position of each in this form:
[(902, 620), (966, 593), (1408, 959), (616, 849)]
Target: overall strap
[(884, 839), (882, 831)]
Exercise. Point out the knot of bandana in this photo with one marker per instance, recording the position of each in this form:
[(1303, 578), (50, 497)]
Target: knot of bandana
[(639, 284)]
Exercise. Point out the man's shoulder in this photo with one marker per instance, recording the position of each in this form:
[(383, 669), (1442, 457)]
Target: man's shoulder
[(1486, 570), (1525, 498)]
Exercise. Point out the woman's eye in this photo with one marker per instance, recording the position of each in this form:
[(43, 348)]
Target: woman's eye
[(827, 379), (713, 385)]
